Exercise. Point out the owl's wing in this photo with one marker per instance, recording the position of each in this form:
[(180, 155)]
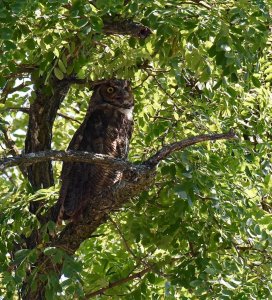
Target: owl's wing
[(104, 131), (79, 179)]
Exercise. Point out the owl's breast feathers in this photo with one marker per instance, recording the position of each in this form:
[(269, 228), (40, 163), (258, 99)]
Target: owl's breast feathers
[(107, 130)]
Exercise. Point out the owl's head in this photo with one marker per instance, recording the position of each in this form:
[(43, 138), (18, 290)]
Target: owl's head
[(116, 92)]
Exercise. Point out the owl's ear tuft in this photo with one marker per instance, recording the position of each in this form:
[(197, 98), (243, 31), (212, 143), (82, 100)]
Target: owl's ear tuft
[(95, 84)]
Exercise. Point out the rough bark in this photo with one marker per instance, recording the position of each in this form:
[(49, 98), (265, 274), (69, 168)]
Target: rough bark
[(42, 115), (70, 155)]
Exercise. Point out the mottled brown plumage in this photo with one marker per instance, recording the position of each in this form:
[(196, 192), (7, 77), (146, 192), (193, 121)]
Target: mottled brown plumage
[(106, 129)]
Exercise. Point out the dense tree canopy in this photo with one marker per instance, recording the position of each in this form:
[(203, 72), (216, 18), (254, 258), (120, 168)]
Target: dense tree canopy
[(197, 225)]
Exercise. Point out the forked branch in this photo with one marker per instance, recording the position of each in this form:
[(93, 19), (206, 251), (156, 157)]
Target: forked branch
[(101, 159)]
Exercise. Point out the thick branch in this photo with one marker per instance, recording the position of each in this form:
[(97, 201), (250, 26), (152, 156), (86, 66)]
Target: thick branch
[(42, 115), (101, 159), (71, 156), (136, 179), (126, 27)]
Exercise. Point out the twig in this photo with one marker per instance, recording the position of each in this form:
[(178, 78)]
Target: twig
[(140, 260), (123, 238), (197, 2), (159, 84), (26, 110), (111, 285), (67, 117), (10, 144)]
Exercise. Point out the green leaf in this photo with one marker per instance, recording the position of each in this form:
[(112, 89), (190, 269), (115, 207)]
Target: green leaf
[(80, 22), (227, 284), (151, 278), (6, 33), (21, 255), (9, 45), (61, 66), (96, 23), (256, 81), (31, 44), (58, 73), (48, 39), (56, 52)]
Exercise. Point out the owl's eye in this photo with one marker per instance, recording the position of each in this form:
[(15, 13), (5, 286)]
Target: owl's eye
[(110, 90)]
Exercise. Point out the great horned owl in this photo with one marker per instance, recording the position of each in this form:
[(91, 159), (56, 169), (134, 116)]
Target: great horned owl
[(106, 129)]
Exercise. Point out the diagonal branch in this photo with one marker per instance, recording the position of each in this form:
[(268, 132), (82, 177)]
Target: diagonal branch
[(119, 231), (134, 181), (167, 150), (11, 146)]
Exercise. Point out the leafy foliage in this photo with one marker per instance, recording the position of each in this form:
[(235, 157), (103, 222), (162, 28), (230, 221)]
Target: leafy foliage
[(204, 229)]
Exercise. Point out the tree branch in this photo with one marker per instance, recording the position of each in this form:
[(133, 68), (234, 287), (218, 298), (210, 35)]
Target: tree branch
[(119, 231), (11, 146), (71, 156), (106, 160), (27, 109), (136, 179), (126, 27), (167, 150), (118, 282), (197, 2), (137, 275)]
